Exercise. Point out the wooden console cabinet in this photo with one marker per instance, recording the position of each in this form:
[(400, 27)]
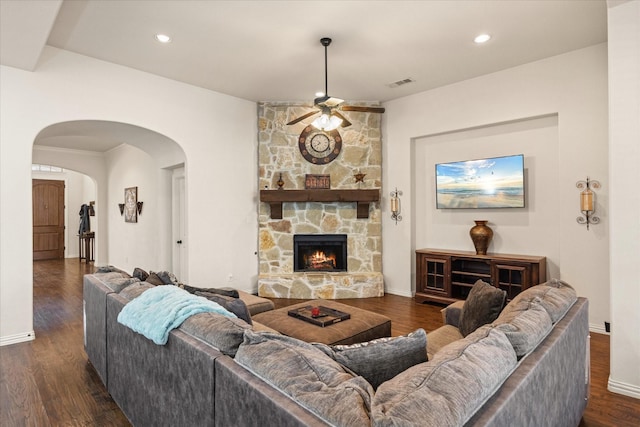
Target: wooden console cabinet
[(448, 276)]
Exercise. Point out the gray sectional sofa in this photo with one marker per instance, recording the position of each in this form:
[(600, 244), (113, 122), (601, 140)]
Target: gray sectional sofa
[(225, 372)]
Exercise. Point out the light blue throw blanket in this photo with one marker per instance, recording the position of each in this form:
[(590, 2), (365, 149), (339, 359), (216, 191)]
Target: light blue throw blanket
[(159, 310)]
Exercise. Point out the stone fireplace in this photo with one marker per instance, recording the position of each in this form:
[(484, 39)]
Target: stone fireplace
[(290, 267)]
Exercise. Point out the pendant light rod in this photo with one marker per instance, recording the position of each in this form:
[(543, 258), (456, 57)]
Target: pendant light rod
[(326, 41)]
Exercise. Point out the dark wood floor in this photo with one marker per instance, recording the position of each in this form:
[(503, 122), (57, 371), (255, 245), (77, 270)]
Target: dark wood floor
[(49, 381)]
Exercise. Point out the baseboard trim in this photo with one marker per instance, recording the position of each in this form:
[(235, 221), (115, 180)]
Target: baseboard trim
[(400, 293), (623, 388), (17, 338), (594, 327)]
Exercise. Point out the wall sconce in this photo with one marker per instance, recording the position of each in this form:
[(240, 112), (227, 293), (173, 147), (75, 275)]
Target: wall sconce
[(395, 205), (121, 206), (587, 202), (139, 205)]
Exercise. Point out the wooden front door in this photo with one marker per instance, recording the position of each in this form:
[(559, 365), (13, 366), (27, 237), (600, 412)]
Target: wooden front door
[(48, 219)]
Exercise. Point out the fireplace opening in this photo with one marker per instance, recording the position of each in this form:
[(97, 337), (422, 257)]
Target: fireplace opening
[(320, 252)]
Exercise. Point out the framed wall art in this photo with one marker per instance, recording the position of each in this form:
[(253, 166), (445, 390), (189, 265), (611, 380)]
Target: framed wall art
[(131, 204)]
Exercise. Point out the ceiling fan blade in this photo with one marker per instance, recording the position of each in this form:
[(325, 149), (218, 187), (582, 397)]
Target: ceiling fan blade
[(301, 118), (345, 122), (362, 109)]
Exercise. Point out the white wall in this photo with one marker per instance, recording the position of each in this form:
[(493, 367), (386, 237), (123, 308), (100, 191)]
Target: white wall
[(79, 190), (624, 175), (146, 243), (571, 87), (217, 133)]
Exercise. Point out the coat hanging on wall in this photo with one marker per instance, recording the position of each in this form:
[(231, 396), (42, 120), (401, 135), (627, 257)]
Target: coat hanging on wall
[(85, 226)]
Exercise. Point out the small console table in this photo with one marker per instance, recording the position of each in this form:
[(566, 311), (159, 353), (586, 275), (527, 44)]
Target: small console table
[(86, 245), (448, 276), (362, 198)]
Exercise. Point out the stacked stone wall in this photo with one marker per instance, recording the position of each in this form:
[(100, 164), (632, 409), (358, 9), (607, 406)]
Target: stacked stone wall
[(279, 156)]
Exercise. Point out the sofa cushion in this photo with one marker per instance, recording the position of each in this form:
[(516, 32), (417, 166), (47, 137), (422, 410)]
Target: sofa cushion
[(227, 292), (222, 332), (256, 304), (525, 323), (482, 306), (104, 277), (312, 379), (447, 390), (381, 359), (451, 313), (111, 269), (440, 338), (134, 290), (259, 327), (234, 305), (555, 296), (117, 284)]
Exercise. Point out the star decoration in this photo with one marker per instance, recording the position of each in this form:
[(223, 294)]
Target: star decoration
[(359, 177)]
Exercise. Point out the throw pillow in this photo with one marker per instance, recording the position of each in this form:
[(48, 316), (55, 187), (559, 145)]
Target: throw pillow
[(308, 376), (382, 359), (167, 277), (234, 305), (140, 274), (482, 306), (220, 291), (154, 279)]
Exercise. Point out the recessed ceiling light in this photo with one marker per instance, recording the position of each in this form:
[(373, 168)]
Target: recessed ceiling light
[(163, 38), (482, 38)]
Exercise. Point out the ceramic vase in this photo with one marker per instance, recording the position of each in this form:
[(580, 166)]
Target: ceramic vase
[(481, 235)]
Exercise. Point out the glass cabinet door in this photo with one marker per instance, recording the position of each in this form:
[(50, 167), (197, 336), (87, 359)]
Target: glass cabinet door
[(433, 274)]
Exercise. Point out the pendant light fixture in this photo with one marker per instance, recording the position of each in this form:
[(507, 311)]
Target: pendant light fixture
[(326, 121)]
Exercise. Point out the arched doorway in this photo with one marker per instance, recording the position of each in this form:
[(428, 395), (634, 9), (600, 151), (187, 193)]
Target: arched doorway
[(117, 156)]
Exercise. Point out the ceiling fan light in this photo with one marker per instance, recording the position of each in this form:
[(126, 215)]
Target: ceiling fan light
[(327, 122), (334, 122)]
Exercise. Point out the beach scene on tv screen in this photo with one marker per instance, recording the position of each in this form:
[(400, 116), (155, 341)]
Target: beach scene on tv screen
[(486, 183)]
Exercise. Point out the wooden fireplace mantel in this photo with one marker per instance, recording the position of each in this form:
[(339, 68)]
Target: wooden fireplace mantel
[(362, 198)]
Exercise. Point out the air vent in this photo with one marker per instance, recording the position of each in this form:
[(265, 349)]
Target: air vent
[(401, 82)]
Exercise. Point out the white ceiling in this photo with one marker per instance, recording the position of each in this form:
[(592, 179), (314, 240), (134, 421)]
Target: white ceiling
[(270, 50)]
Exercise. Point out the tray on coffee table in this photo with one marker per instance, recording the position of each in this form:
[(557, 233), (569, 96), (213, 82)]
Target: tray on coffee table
[(325, 317)]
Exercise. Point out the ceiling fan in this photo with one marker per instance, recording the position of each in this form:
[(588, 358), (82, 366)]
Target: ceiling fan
[(330, 107)]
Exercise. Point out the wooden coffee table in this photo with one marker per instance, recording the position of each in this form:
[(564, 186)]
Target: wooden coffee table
[(362, 326)]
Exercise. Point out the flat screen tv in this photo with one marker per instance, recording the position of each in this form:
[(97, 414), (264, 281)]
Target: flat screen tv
[(496, 182)]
